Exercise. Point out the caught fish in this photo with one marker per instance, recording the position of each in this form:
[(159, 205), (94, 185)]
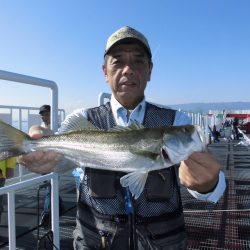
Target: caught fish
[(135, 150)]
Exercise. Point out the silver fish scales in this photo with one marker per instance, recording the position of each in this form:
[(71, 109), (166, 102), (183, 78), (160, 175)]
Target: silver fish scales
[(134, 150)]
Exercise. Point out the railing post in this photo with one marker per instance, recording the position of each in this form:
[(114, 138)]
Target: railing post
[(11, 220), (54, 210)]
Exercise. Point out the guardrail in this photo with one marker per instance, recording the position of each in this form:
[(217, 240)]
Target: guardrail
[(10, 191), (14, 115), (23, 117), (14, 77)]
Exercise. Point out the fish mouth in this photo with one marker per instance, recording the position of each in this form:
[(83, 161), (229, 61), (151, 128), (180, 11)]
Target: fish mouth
[(166, 157), (169, 156), (164, 154)]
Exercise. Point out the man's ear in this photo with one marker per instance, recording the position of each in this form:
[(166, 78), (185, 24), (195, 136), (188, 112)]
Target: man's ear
[(150, 71), (104, 69)]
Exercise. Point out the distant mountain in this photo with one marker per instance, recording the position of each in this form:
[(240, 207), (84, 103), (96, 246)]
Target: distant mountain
[(205, 107)]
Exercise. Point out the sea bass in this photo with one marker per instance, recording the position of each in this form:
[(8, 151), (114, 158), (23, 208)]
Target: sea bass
[(135, 150)]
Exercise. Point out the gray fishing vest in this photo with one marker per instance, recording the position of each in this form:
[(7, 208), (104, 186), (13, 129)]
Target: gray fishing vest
[(101, 192)]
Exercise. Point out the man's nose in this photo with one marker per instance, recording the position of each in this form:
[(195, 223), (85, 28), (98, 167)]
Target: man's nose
[(128, 70)]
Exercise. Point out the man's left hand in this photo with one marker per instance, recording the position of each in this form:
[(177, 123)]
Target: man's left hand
[(200, 172)]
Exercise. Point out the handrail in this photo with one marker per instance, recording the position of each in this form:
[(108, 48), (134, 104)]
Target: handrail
[(10, 190), (102, 96), (19, 122), (14, 77), (61, 113)]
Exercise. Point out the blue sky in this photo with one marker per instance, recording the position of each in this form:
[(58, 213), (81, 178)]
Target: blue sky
[(201, 48)]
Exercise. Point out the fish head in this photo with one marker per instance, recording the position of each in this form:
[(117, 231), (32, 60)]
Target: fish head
[(179, 142), (199, 136)]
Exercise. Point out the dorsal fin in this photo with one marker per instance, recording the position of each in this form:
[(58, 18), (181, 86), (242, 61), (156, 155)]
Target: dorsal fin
[(76, 122), (133, 126)]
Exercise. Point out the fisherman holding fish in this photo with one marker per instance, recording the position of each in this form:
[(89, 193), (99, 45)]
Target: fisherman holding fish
[(132, 157)]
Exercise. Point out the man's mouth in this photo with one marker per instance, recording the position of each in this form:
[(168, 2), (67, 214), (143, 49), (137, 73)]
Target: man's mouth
[(127, 82)]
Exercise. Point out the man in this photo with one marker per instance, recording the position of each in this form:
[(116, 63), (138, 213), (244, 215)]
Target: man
[(108, 217), (44, 112), (45, 221)]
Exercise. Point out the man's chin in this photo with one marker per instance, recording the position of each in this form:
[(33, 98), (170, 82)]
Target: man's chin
[(129, 98), (127, 94)]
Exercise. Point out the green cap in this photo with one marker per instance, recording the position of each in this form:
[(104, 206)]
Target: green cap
[(127, 33)]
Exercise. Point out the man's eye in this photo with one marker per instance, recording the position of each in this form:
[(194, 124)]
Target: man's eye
[(116, 62), (140, 61)]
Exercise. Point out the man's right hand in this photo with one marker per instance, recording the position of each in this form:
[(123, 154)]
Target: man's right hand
[(40, 161)]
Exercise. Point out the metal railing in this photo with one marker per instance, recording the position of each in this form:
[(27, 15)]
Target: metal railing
[(11, 190), (16, 118), (19, 120), (14, 77), (102, 96)]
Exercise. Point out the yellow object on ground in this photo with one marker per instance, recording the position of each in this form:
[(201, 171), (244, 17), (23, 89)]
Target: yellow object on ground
[(8, 163)]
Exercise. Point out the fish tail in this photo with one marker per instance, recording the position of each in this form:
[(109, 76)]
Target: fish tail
[(135, 181), (11, 141)]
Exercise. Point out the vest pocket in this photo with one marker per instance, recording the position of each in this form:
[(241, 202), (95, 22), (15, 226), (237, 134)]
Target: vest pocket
[(101, 183), (159, 185)]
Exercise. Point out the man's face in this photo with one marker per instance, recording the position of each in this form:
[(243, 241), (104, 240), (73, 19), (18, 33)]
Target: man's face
[(45, 115), (127, 70)]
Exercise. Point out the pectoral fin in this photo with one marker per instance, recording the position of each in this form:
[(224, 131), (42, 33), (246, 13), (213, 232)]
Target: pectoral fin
[(135, 181)]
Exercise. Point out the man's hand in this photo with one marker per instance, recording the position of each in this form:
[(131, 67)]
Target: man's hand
[(200, 172), (37, 131), (39, 161)]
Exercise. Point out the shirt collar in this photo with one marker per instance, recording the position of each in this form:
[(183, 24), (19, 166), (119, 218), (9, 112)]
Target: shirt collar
[(120, 113)]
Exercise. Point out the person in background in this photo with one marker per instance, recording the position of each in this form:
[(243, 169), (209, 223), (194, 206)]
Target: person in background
[(227, 123), (44, 112), (108, 217), (216, 134), (235, 128), (6, 171)]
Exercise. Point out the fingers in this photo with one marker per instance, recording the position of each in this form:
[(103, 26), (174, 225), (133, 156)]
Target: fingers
[(188, 177), (203, 159), (40, 162), (37, 131), (199, 158), (30, 158), (199, 172)]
